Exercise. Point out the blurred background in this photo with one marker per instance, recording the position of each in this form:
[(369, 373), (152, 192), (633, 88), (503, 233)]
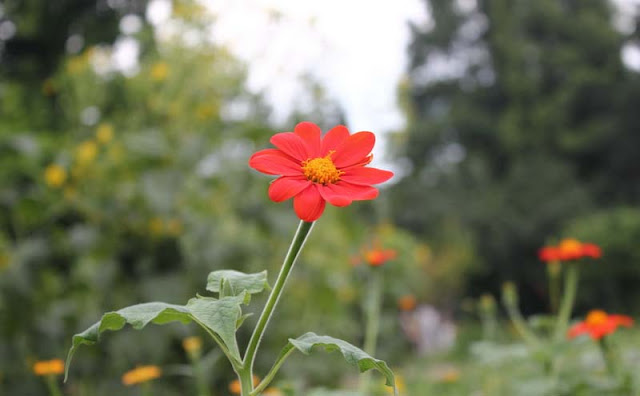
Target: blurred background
[(126, 126)]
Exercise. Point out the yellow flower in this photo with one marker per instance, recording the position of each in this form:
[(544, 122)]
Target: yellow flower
[(104, 133), (55, 175), (86, 151), (192, 344), (159, 71), (141, 374), (272, 391), (48, 367)]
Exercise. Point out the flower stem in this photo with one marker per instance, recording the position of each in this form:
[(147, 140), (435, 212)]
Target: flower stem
[(372, 312), (52, 386), (304, 228), (607, 356), (568, 299), (553, 274), (201, 381)]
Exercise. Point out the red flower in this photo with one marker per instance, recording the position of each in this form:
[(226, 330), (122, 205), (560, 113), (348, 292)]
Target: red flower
[(599, 324), (548, 253), (568, 250), (377, 257), (316, 169)]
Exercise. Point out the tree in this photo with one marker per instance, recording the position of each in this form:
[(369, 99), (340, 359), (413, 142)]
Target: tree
[(519, 120)]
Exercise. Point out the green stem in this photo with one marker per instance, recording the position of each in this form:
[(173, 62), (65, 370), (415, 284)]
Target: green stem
[(553, 273), (246, 381), (568, 299), (304, 228), (52, 385), (146, 389), (521, 327), (288, 350), (201, 381), (372, 312), (607, 356)]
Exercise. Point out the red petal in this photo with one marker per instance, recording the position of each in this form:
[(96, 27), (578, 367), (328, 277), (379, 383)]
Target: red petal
[(366, 176), (354, 149), (355, 192), (622, 320), (333, 196), (310, 133), (275, 162), (309, 205), (286, 187), (291, 144), (577, 329), (334, 138)]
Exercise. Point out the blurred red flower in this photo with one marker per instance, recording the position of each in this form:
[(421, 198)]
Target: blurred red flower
[(316, 169), (599, 324), (569, 249), (377, 257)]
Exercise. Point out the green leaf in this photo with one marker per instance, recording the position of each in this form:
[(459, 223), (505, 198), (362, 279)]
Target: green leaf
[(138, 316), (220, 316), (353, 355), (235, 282)]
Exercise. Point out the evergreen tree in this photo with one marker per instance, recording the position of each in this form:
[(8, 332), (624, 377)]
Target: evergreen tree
[(520, 119)]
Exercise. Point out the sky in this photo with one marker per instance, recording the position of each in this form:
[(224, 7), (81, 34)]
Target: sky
[(356, 50)]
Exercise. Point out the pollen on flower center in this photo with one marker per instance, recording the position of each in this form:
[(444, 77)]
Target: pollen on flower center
[(596, 317), (321, 170)]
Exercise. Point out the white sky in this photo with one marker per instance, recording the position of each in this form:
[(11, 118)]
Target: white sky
[(357, 49)]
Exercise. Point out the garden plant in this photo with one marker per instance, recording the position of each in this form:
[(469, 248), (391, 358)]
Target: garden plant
[(313, 169)]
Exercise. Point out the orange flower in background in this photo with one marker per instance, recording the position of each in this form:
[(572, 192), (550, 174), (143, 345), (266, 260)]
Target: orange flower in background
[(141, 374), (407, 303), (314, 170), (568, 250), (599, 324), (377, 257), (192, 344), (236, 388), (49, 367)]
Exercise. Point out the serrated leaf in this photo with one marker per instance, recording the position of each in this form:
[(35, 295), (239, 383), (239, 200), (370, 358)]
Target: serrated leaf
[(220, 316), (353, 355), (235, 282), (138, 316)]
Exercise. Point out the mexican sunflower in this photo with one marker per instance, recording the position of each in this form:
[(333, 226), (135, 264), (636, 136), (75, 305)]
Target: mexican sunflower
[(568, 250), (314, 169), (141, 374), (48, 367), (599, 324), (377, 257)]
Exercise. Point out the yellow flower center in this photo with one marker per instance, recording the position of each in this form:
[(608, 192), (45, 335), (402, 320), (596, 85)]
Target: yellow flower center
[(321, 170), (570, 246), (597, 317)]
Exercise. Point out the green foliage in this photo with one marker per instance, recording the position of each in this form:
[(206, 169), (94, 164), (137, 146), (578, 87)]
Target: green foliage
[(235, 282), (353, 355)]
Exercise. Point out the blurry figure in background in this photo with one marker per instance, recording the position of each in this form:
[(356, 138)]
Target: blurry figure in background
[(428, 329)]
